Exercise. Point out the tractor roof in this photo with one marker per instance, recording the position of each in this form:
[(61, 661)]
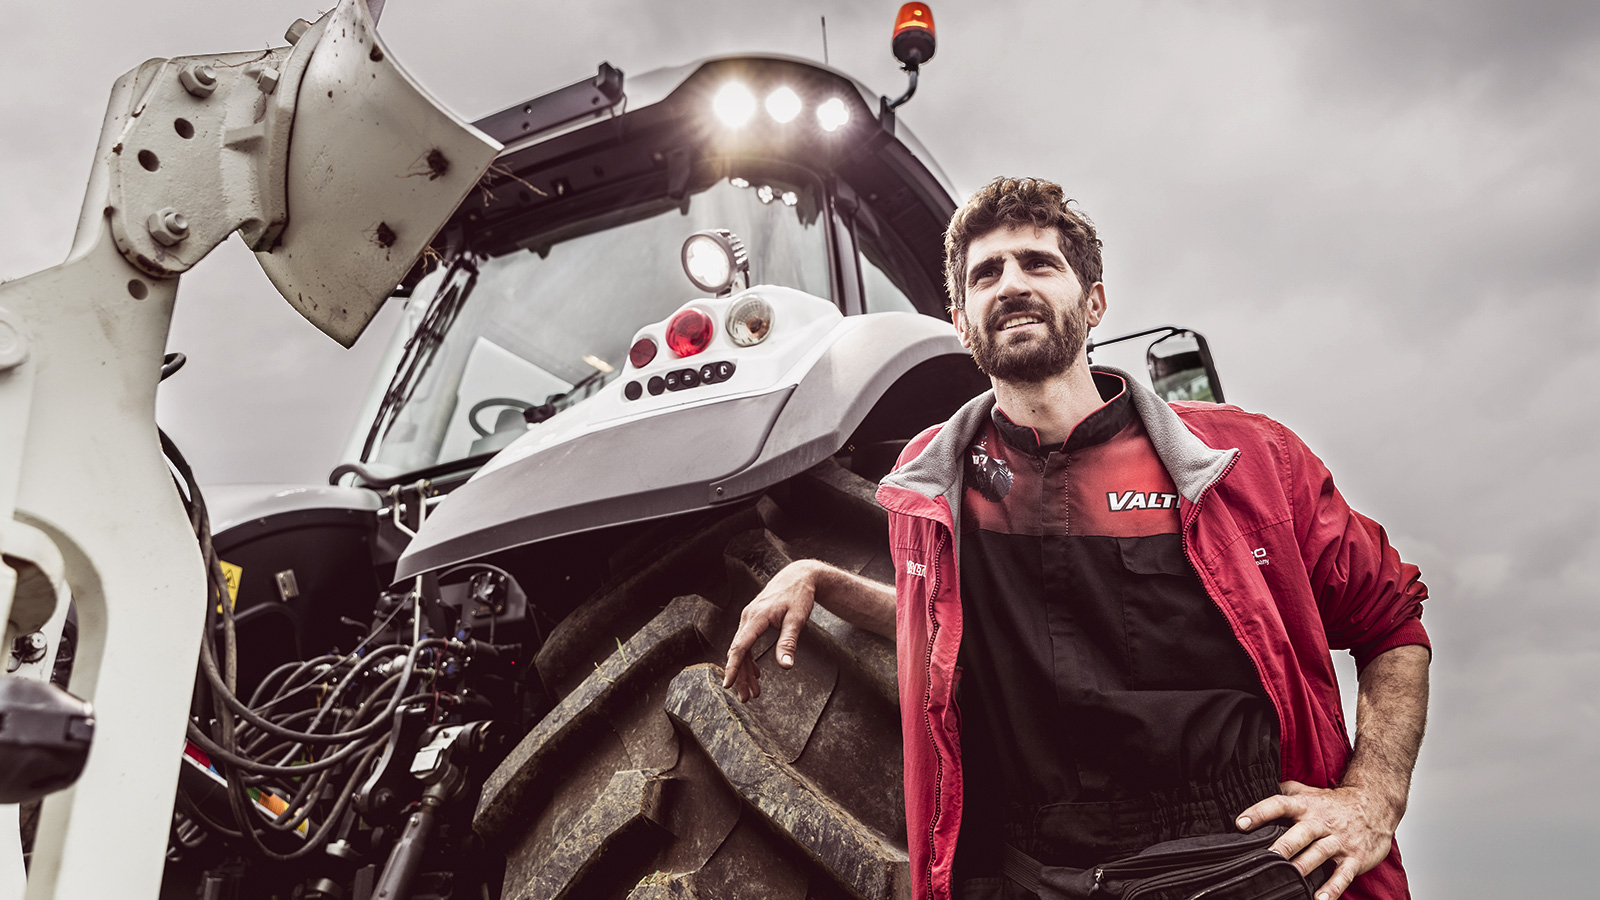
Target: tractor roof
[(609, 143)]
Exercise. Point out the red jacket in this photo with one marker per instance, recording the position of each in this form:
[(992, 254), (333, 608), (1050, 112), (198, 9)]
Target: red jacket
[(1294, 569)]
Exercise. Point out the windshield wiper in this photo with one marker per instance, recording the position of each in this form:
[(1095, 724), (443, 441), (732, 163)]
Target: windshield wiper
[(422, 346)]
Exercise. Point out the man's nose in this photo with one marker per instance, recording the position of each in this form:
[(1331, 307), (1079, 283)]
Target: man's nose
[(1012, 284)]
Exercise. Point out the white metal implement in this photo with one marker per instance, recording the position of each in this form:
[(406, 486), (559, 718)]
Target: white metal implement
[(192, 149)]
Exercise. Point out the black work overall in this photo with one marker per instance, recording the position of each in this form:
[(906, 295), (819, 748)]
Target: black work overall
[(1105, 703)]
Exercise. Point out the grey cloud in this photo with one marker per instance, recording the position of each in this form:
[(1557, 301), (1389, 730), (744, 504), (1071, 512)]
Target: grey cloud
[(1383, 215)]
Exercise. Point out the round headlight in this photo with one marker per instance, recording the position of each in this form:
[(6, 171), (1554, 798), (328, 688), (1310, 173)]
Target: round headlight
[(713, 260), (749, 321)]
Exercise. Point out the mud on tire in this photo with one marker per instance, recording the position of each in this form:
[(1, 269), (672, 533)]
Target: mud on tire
[(647, 779)]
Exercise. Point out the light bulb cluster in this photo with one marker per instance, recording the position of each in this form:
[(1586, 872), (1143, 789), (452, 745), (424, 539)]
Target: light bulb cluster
[(735, 105)]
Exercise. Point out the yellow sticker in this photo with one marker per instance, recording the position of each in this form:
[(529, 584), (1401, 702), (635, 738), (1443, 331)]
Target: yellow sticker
[(231, 574)]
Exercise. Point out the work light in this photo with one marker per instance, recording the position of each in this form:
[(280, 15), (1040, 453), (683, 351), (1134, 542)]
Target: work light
[(734, 104), (714, 260)]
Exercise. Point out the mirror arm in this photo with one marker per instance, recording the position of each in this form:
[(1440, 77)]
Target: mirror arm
[(1165, 331)]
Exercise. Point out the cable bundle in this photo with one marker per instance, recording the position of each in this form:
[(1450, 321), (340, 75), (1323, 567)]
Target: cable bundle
[(309, 732)]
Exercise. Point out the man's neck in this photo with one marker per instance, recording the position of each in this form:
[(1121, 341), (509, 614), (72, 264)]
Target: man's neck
[(1053, 407)]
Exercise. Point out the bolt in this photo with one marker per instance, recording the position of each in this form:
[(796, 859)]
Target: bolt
[(199, 80), (13, 346), (168, 226), (30, 648), (297, 31), (267, 79)]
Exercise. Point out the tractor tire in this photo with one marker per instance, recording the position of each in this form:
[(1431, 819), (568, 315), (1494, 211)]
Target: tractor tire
[(648, 780)]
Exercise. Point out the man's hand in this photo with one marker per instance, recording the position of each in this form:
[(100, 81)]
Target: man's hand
[(785, 603), (1342, 824), (1354, 823)]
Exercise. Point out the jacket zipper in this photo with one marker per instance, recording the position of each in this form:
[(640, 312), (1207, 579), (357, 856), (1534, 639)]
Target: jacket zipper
[(927, 702), (1184, 543)]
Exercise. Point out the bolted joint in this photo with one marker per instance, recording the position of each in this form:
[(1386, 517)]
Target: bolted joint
[(168, 226), (199, 80), (297, 31), (267, 79), (30, 648)]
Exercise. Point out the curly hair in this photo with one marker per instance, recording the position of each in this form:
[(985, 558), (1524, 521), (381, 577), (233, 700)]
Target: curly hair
[(1005, 202)]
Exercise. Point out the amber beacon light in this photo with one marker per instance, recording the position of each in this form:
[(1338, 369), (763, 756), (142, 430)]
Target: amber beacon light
[(913, 42)]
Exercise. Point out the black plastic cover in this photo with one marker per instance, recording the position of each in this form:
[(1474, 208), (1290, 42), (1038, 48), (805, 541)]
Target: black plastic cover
[(45, 734)]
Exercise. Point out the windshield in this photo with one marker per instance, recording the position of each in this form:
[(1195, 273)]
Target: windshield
[(552, 323)]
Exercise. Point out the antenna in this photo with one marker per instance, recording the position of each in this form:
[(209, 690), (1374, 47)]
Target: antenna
[(825, 41)]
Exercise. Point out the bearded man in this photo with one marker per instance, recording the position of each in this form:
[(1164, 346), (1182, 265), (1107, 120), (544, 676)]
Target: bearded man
[(1099, 675)]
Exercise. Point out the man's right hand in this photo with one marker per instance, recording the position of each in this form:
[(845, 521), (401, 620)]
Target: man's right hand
[(785, 603)]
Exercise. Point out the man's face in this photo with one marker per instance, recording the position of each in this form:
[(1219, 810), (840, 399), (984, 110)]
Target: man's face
[(1026, 316)]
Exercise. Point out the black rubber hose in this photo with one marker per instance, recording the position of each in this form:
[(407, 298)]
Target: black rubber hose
[(299, 668), (314, 841), (208, 665), (216, 751)]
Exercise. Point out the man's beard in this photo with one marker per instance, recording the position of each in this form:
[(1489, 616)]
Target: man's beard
[(1032, 360)]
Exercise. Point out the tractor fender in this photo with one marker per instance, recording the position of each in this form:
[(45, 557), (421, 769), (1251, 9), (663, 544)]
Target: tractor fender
[(688, 458)]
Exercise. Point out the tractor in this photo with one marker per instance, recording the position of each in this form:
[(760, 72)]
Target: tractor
[(662, 334)]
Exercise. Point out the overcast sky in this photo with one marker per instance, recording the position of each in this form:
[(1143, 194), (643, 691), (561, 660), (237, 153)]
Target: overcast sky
[(1384, 215)]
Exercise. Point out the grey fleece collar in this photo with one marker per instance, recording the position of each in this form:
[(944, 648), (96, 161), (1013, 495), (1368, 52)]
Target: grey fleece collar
[(936, 471)]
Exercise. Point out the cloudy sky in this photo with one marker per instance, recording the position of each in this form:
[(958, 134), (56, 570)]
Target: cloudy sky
[(1384, 215)]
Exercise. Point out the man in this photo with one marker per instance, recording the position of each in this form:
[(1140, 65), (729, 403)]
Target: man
[(1134, 645)]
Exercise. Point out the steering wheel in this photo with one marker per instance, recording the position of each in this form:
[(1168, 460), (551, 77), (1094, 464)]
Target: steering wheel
[(492, 402)]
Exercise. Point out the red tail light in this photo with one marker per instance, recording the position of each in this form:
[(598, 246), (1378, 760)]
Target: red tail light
[(642, 351), (689, 332)]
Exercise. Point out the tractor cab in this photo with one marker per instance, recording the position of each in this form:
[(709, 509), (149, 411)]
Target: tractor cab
[(532, 295)]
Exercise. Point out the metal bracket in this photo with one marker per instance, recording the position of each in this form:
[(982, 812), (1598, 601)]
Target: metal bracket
[(380, 165), (203, 154)]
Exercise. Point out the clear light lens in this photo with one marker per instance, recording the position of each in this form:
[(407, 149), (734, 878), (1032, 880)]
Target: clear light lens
[(642, 352), (765, 193), (749, 321), (734, 104), (689, 332), (739, 182), (707, 263), (783, 105), (832, 115), (790, 198)]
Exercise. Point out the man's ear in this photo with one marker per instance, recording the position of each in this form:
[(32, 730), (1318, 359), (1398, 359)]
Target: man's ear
[(1096, 303), (958, 318)]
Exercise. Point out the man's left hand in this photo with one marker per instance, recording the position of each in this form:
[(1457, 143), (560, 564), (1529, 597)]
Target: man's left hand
[(1343, 824)]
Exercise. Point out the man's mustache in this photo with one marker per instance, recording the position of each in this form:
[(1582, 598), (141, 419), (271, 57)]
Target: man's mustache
[(1028, 306)]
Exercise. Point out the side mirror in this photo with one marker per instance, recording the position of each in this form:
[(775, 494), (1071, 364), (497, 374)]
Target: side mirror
[(1181, 368)]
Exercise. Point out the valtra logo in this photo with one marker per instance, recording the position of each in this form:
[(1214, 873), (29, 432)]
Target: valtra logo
[(1126, 500)]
